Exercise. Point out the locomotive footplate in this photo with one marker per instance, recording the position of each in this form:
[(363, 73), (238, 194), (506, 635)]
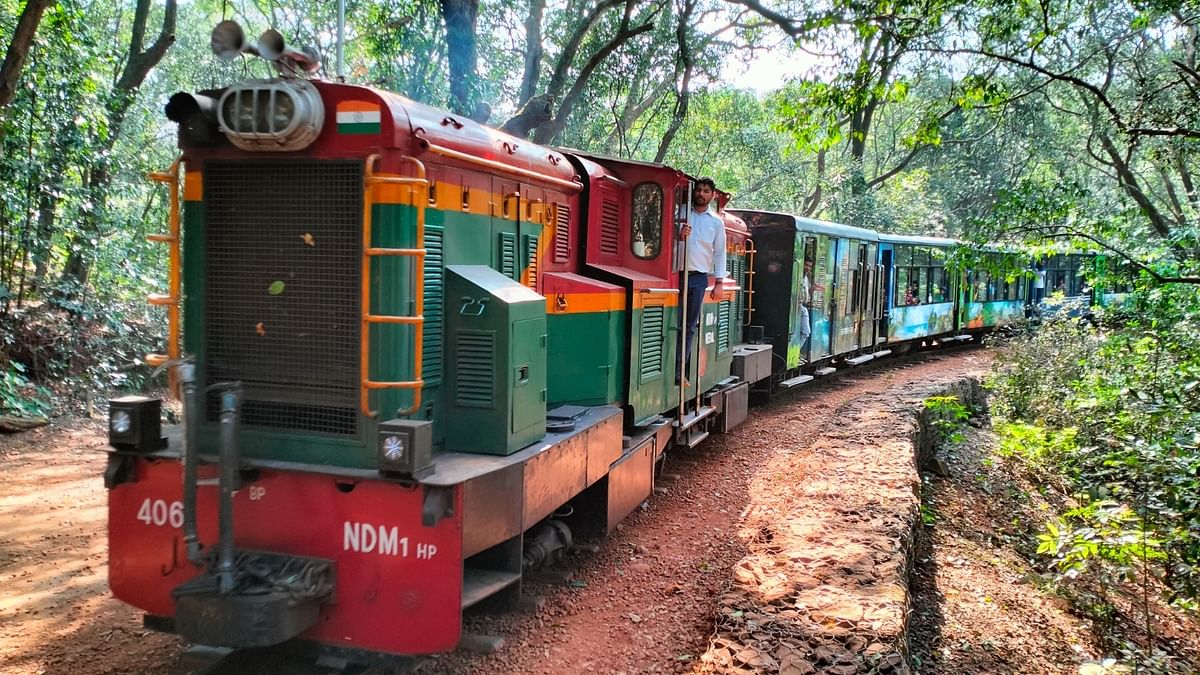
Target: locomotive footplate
[(275, 598)]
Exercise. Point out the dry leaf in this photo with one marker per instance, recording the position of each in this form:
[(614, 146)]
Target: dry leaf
[(260, 328), (308, 239)]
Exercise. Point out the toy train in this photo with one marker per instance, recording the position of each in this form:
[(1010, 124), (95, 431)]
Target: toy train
[(419, 356)]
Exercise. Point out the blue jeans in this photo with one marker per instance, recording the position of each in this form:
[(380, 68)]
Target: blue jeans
[(697, 283)]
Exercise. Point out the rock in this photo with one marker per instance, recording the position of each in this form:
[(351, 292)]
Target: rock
[(17, 424), (756, 659), (940, 467), (796, 667)]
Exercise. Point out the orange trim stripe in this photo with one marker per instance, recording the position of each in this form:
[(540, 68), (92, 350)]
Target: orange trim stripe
[(193, 186), (357, 106), (583, 303), (655, 300)]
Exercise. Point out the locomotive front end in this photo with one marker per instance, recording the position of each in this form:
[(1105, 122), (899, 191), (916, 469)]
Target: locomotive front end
[(292, 504)]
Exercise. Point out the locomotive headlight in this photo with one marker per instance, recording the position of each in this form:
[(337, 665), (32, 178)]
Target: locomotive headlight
[(406, 448), (281, 114), (133, 424), (120, 422)]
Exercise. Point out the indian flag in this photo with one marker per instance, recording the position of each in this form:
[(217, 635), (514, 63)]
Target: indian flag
[(357, 117)]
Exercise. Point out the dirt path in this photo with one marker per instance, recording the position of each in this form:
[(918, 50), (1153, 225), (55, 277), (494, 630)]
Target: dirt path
[(56, 615), (982, 605), (644, 603)]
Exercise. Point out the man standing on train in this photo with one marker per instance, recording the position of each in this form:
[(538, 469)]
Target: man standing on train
[(704, 235)]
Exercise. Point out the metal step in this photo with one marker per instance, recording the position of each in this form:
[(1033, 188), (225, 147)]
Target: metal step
[(694, 439), (860, 359), (829, 370), (796, 381), (962, 338), (690, 419), (882, 353), (478, 585)]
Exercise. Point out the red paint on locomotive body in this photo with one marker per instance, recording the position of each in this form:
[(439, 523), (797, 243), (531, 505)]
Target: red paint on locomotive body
[(398, 583)]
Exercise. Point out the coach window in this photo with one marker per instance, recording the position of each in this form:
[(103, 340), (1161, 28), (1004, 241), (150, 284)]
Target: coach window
[(647, 220), (904, 279), (1062, 275), (938, 291), (1012, 288), (921, 272), (1076, 278)]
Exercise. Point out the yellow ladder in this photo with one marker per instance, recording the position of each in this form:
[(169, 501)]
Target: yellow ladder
[(750, 251), (417, 320), (170, 299)]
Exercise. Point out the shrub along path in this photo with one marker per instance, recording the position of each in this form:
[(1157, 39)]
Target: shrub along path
[(985, 602)]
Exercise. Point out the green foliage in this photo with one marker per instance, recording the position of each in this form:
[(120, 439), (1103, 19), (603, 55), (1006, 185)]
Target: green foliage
[(1036, 445), (20, 398), (1115, 407), (948, 415), (1100, 530)]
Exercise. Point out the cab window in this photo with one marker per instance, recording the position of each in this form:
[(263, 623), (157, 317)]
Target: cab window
[(646, 237)]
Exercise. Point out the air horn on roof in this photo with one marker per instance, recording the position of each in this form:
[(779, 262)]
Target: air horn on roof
[(229, 42)]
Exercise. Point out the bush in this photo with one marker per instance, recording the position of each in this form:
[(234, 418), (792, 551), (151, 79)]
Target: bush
[(80, 353), (1114, 407)]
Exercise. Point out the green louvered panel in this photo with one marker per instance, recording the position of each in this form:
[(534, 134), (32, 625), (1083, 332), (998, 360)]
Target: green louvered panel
[(431, 350), (531, 261), (475, 362), (508, 255), (723, 319), (651, 354)]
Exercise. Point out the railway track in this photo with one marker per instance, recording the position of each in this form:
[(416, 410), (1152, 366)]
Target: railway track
[(293, 659), (301, 659)]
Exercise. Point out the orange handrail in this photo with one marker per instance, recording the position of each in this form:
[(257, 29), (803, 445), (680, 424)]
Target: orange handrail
[(417, 320), (501, 167), (749, 291), (171, 298)]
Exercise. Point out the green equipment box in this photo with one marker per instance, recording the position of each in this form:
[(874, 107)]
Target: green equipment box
[(496, 349)]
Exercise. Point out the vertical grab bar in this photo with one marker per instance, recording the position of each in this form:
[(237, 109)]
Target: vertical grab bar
[(417, 320), (749, 291)]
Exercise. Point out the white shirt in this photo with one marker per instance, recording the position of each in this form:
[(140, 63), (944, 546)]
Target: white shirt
[(706, 245)]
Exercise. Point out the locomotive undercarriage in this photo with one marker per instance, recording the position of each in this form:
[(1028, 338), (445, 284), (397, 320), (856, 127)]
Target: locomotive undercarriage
[(510, 515)]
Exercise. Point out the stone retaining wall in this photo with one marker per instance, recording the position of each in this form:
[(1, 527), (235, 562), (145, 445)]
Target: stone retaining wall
[(830, 535)]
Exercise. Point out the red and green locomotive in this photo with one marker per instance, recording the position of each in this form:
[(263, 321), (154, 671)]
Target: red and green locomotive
[(418, 356)]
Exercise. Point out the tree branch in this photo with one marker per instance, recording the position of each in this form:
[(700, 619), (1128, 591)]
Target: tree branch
[(18, 49), (550, 131)]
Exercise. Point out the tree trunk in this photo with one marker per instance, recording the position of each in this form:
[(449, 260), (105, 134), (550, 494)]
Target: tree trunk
[(685, 65), (460, 16), (18, 49), (549, 131), (533, 50), (47, 214), (1129, 183), (138, 65)]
